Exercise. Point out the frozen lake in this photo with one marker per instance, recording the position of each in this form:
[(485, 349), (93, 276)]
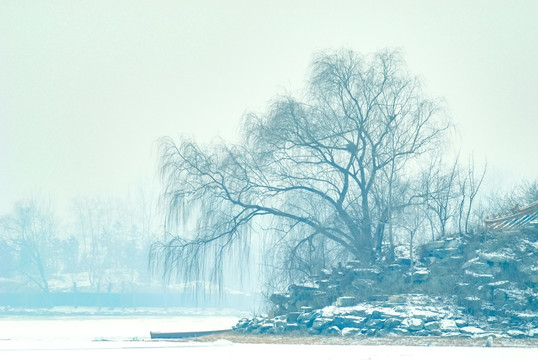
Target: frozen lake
[(127, 336)]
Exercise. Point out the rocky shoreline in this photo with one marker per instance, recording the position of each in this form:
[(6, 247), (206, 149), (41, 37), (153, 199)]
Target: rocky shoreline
[(483, 287), (405, 316)]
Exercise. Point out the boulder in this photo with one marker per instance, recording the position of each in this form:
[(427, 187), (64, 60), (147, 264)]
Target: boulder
[(400, 331), (471, 330), (496, 258), (432, 325), (321, 323), (413, 324), (267, 328), (397, 299), (499, 296), (421, 275), (343, 322), (391, 323), (448, 325), (350, 332), (460, 323), (471, 304), (332, 331), (291, 317), (279, 298), (452, 243), (476, 266), (292, 327), (306, 319), (375, 323), (479, 278), (367, 273), (346, 301), (433, 245), (518, 334)]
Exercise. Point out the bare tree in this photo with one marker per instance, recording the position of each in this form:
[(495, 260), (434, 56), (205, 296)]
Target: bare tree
[(440, 185), (307, 170), (522, 194), (469, 188), (412, 224), (114, 237), (30, 232)]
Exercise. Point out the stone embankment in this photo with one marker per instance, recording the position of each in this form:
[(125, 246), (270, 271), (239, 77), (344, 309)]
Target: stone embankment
[(412, 315), (462, 287)]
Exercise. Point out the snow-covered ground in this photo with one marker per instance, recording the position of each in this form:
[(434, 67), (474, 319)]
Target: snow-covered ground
[(127, 337)]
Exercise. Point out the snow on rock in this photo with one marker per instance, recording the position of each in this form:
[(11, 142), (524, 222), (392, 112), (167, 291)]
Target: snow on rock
[(448, 325), (462, 286), (471, 330), (413, 324)]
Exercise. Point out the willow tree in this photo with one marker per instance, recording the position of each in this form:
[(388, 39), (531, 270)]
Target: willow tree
[(307, 171)]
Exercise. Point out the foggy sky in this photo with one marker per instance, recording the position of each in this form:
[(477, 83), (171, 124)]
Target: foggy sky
[(86, 87)]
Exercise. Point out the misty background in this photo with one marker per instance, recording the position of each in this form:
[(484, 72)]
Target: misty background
[(87, 89)]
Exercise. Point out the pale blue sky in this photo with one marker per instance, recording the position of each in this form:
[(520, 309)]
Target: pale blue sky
[(86, 87)]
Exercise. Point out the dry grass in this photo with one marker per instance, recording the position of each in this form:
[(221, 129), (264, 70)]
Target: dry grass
[(390, 340)]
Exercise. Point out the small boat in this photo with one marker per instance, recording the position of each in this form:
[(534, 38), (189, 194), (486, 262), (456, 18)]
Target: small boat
[(185, 334)]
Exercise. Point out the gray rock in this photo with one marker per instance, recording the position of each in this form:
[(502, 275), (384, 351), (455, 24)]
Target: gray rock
[(500, 284), (397, 299), (279, 299), (280, 324), (480, 278), (306, 318), (346, 301), (471, 330), (332, 331), (433, 245), (448, 325), (292, 327), (391, 323), (518, 334), (477, 267), (496, 258), (452, 243), (469, 263), (421, 275), (376, 314), (432, 325), (266, 328), (499, 295), (375, 323), (291, 317), (349, 321), (321, 323), (351, 332), (413, 324), (400, 331), (363, 284)]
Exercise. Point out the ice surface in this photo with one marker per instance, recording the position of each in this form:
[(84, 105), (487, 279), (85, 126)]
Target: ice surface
[(127, 337), (226, 350)]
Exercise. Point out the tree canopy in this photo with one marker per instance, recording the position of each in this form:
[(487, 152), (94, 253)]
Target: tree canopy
[(321, 175)]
